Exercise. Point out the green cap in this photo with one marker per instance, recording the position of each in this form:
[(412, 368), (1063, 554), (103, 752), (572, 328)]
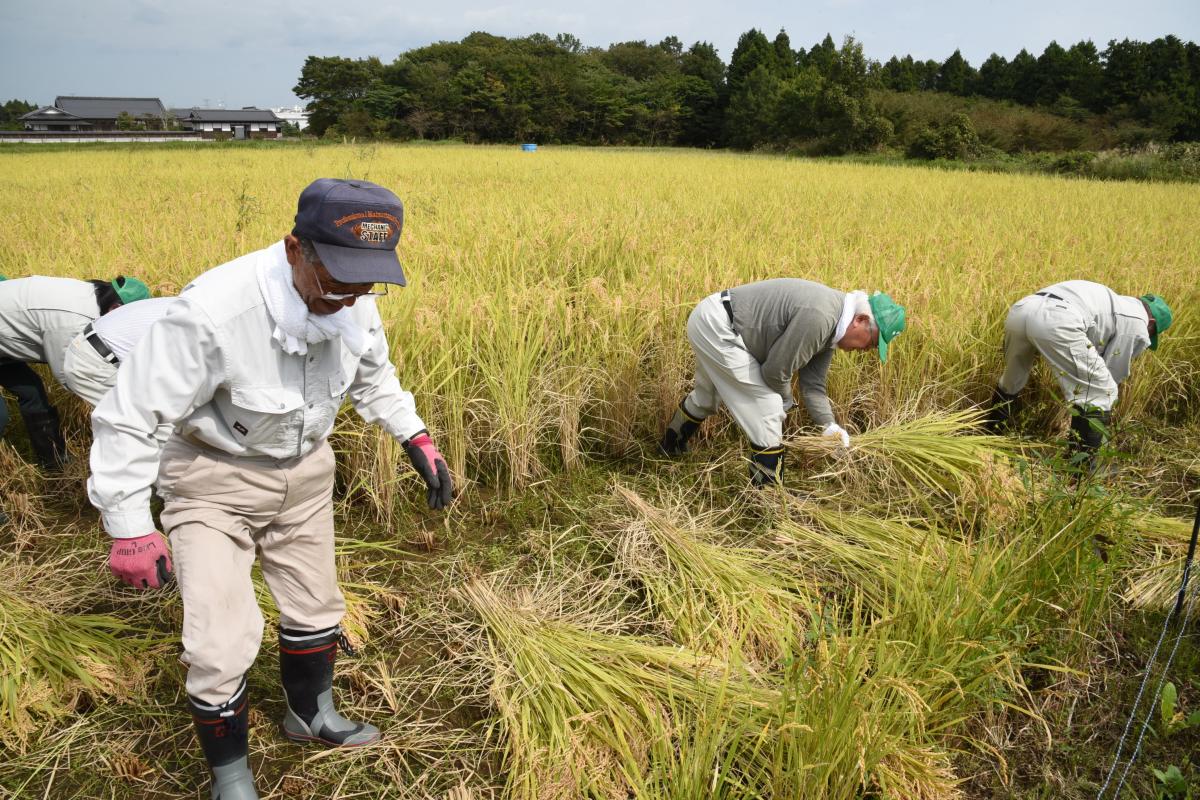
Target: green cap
[(889, 317), (1161, 313), (130, 289)]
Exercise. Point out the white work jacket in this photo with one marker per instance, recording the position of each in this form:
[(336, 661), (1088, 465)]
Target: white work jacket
[(39, 317), (1116, 324), (211, 368)]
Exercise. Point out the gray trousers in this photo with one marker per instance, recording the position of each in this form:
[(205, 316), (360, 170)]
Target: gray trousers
[(1053, 328), (727, 373)]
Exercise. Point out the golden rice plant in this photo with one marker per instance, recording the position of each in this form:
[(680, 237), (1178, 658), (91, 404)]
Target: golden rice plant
[(732, 601), (1160, 550), (583, 711), (51, 655), (943, 453)]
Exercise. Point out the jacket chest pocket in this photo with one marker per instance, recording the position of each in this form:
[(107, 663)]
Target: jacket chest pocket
[(266, 416)]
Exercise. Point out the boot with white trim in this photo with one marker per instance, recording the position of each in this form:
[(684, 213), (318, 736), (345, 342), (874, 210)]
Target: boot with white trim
[(306, 661), (222, 731)]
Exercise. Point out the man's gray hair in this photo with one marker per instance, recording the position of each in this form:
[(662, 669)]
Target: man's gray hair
[(863, 306), (310, 252)]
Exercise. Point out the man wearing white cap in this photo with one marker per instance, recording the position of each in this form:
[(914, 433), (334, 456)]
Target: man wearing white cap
[(250, 366)]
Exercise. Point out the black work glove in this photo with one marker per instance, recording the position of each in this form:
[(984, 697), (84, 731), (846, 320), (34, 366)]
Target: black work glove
[(430, 465)]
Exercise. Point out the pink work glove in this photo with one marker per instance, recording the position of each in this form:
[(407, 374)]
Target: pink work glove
[(432, 468), (142, 562)]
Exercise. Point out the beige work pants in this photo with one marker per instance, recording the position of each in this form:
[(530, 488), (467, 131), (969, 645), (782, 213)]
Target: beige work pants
[(219, 511), (1037, 324), (727, 373), (86, 373)]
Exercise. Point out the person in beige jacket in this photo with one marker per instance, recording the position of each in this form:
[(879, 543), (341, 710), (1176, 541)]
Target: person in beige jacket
[(250, 366), (1089, 336)]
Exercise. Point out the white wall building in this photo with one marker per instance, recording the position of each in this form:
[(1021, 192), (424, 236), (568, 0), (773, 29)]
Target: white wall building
[(295, 115)]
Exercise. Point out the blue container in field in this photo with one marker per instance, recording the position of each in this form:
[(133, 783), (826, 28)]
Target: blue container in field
[(529, 148)]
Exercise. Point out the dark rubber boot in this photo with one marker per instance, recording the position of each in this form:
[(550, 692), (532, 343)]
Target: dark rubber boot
[(306, 661), (680, 430), (766, 466), (1089, 431), (222, 731), (1000, 414), (46, 439)]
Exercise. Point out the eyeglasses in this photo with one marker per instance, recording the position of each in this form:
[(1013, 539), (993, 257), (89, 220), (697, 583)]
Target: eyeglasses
[(338, 297)]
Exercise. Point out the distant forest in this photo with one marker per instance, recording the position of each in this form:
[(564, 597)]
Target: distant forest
[(822, 100)]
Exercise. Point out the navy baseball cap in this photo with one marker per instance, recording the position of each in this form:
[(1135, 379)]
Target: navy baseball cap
[(354, 226)]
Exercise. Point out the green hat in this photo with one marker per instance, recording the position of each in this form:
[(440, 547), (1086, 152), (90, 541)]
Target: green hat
[(889, 317), (130, 289), (1161, 313)]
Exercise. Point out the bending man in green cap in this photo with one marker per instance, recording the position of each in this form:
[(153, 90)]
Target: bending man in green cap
[(39, 316), (750, 340), (1089, 334)]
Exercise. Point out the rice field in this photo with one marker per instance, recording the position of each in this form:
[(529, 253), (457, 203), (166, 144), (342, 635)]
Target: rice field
[(940, 614)]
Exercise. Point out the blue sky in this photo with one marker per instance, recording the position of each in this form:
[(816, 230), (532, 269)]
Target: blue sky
[(249, 52)]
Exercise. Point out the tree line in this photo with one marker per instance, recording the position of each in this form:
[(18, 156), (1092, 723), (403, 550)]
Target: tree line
[(824, 99)]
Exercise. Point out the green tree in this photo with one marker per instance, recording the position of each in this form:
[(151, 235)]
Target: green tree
[(785, 56), (995, 78), (702, 94), (750, 117), (335, 85), (752, 51), (954, 138), (1026, 80), (11, 113), (1085, 75), (956, 76), (899, 75), (1054, 74)]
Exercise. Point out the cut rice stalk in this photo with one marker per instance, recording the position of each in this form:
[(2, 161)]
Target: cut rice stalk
[(732, 602), (583, 710), (943, 452)]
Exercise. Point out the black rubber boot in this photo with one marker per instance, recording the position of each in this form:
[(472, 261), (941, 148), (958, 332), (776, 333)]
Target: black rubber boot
[(766, 466), (46, 439), (680, 430), (222, 731), (1089, 430), (1003, 409), (306, 661)]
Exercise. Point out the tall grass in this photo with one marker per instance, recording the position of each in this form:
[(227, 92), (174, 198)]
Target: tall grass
[(545, 311)]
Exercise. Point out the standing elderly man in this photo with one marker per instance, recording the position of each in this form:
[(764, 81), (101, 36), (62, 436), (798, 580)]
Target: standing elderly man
[(1089, 335), (39, 316), (251, 365), (751, 339)]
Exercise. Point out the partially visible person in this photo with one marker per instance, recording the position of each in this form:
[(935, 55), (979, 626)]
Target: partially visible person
[(1090, 336), (93, 357), (39, 316)]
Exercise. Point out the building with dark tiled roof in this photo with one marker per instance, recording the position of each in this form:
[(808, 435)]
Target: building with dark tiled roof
[(99, 114), (240, 123)]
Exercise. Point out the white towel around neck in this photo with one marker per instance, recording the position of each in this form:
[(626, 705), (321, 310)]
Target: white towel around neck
[(295, 326), (848, 306)]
